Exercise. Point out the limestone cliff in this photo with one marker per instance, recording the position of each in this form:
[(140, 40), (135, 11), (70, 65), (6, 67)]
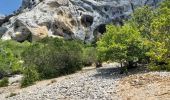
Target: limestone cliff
[(82, 19)]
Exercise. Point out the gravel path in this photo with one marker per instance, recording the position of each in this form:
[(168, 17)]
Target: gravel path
[(95, 84)]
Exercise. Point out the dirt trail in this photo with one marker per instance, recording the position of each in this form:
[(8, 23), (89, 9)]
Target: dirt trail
[(148, 86)]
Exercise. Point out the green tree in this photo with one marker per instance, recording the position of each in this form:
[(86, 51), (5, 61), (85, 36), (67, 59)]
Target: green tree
[(160, 26), (142, 18), (146, 36), (122, 44)]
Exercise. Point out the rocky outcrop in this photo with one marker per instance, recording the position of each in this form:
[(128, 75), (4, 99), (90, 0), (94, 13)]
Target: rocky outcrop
[(2, 29), (1, 19), (82, 19)]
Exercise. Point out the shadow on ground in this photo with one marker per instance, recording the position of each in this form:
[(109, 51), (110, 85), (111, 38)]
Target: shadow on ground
[(113, 72), (108, 72)]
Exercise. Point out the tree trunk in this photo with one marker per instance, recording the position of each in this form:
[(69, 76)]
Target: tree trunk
[(98, 64)]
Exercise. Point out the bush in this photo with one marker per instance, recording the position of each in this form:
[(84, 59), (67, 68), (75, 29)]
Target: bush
[(54, 57), (155, 67), (8, 63), (16, 47), (30, 76), (10, 57), (89, 55), (4, 82)]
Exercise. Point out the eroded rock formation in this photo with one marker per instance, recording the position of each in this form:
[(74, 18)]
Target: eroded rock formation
[(82, 19)]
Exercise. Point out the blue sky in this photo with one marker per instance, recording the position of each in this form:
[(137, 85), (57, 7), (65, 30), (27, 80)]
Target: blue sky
[(8, 6)]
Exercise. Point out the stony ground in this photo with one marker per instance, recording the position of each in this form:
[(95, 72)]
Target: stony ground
[(150, 86), (95, 84)]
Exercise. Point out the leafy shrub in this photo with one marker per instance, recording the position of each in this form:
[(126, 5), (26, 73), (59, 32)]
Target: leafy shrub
[(16, 47), (10, 57), (30, 76), (8, 63), (54, 57), (4, 82), (155, 67), (89, 55)]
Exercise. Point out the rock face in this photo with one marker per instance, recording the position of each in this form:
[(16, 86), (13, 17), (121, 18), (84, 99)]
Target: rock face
[(2, 29), (1, 19), (82, 19)]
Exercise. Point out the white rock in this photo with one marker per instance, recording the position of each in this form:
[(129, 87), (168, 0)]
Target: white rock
[(82, 19)]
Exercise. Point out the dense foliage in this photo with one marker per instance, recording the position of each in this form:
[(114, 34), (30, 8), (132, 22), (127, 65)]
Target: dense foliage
[(30, 76), (10, 59), (143, 38), (121, 44), (47, 58), (54, 57)]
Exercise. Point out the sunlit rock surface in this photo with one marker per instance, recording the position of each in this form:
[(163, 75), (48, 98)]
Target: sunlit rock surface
[(81, 19)]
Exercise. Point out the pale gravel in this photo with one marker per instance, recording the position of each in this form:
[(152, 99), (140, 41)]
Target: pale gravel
[(89, 84), (95, 84)]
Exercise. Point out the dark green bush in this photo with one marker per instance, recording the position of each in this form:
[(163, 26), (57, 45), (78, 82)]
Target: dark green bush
[(4, 82), (54, 57), (158, 67), (30, 76), (89, 55)]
